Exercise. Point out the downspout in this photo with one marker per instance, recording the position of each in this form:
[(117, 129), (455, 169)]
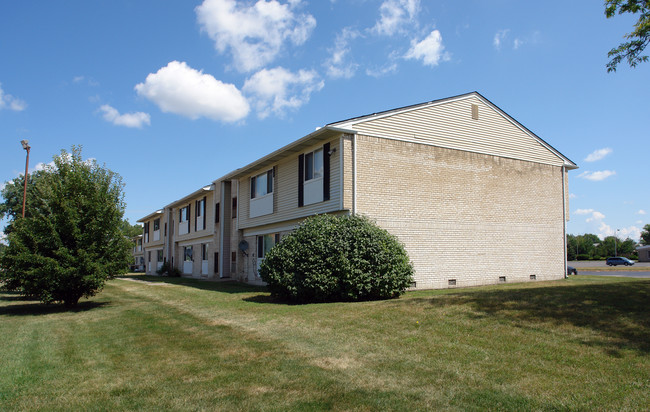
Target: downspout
[(354, 174), (564, 219), (222, 223)]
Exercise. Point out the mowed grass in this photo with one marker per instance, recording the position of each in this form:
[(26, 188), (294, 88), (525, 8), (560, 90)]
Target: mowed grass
[(150, 343)]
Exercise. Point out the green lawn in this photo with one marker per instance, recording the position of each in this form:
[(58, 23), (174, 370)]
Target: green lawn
[(177, 344)]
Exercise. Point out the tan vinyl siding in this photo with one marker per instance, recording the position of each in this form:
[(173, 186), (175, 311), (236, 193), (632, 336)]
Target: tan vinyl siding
[(155, 243), (285, 195), (451, 125), (209, 216)]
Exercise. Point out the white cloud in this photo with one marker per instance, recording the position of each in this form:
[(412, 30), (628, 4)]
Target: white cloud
[(337, 65), (254, 34), (180, 89), (597, 176), (641, 212), (499, 37), (583, 211), (382, 71), (430, 50), (572, 196), (394, 15), (10, 102), (2, 185), (137, 119), (517, 43), (276, 90), (40, 166), (3, 237), (83, 79), (631, 232), (595, 216), (598, 154)]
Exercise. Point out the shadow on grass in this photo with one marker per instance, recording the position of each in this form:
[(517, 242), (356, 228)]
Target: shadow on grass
[(618, 310), (35, 309), (224, 286)]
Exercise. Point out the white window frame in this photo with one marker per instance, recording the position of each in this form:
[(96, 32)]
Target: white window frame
[(260, 190), (316, 169)]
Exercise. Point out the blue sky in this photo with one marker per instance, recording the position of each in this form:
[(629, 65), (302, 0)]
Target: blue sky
[(174, 94)]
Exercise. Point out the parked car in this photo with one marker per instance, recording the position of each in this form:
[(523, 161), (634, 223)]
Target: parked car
[(615, 261), (570, 270)]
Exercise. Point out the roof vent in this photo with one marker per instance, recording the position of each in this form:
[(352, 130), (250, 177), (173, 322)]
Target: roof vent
[(475, 111)]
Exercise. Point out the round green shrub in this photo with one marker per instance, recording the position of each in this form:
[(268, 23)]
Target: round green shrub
[(329, 258)]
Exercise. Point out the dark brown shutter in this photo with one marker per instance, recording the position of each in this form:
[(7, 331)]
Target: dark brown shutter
[(326, 172), (253, 183), (301, 180), (196, 213), (260, 247), (269, 181), (217, 211), (189, 210)]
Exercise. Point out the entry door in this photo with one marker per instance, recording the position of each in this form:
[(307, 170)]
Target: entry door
[(204, 259), (187, 260)]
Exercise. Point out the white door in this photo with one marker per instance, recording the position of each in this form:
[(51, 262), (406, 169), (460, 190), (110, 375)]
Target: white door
[(187, 267), (188, 260), (204, 267)]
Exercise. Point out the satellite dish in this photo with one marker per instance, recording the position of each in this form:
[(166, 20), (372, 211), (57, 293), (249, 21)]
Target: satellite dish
[(243, 246)]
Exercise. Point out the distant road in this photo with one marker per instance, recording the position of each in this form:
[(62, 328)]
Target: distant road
[(601, 265), (617, 273), (600, 268)]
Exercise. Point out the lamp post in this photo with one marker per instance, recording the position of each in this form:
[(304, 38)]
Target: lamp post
[(26, 146), (615, 238)]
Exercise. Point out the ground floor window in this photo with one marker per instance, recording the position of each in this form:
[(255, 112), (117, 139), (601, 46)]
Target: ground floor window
[(265, 243), (204, 251), (160, 256), (187, 253)]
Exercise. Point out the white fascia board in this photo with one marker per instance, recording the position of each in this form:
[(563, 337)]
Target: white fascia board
[(150, 215), (207, 188)]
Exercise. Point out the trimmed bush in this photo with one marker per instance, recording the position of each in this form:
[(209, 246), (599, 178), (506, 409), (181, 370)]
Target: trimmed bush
[(329, 258)]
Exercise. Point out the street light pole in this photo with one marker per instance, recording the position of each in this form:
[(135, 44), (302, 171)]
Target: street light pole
[(26, 146), (615, 238)]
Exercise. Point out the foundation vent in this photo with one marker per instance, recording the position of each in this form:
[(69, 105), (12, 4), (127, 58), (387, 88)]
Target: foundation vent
[(533, 277), (502, 279), (452, 282)]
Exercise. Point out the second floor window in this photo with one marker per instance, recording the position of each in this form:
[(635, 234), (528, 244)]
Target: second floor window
[(262, 184), (314, 165), (156, 224)]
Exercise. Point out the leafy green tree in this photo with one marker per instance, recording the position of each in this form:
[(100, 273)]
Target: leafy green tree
[(638, 39), (12, 206), (69, 242), (645, 235), (329, 258), (130, 230)]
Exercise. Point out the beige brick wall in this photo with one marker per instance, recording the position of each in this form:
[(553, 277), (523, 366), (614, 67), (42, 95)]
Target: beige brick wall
[(461, 215)]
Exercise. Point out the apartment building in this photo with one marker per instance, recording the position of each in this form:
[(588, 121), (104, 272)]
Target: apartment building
[(441, 176)]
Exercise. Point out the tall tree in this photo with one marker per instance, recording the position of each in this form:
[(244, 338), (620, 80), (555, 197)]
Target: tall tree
[(130, 230), (645, 235), (69, 242), (638, 39), (12, 206)]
